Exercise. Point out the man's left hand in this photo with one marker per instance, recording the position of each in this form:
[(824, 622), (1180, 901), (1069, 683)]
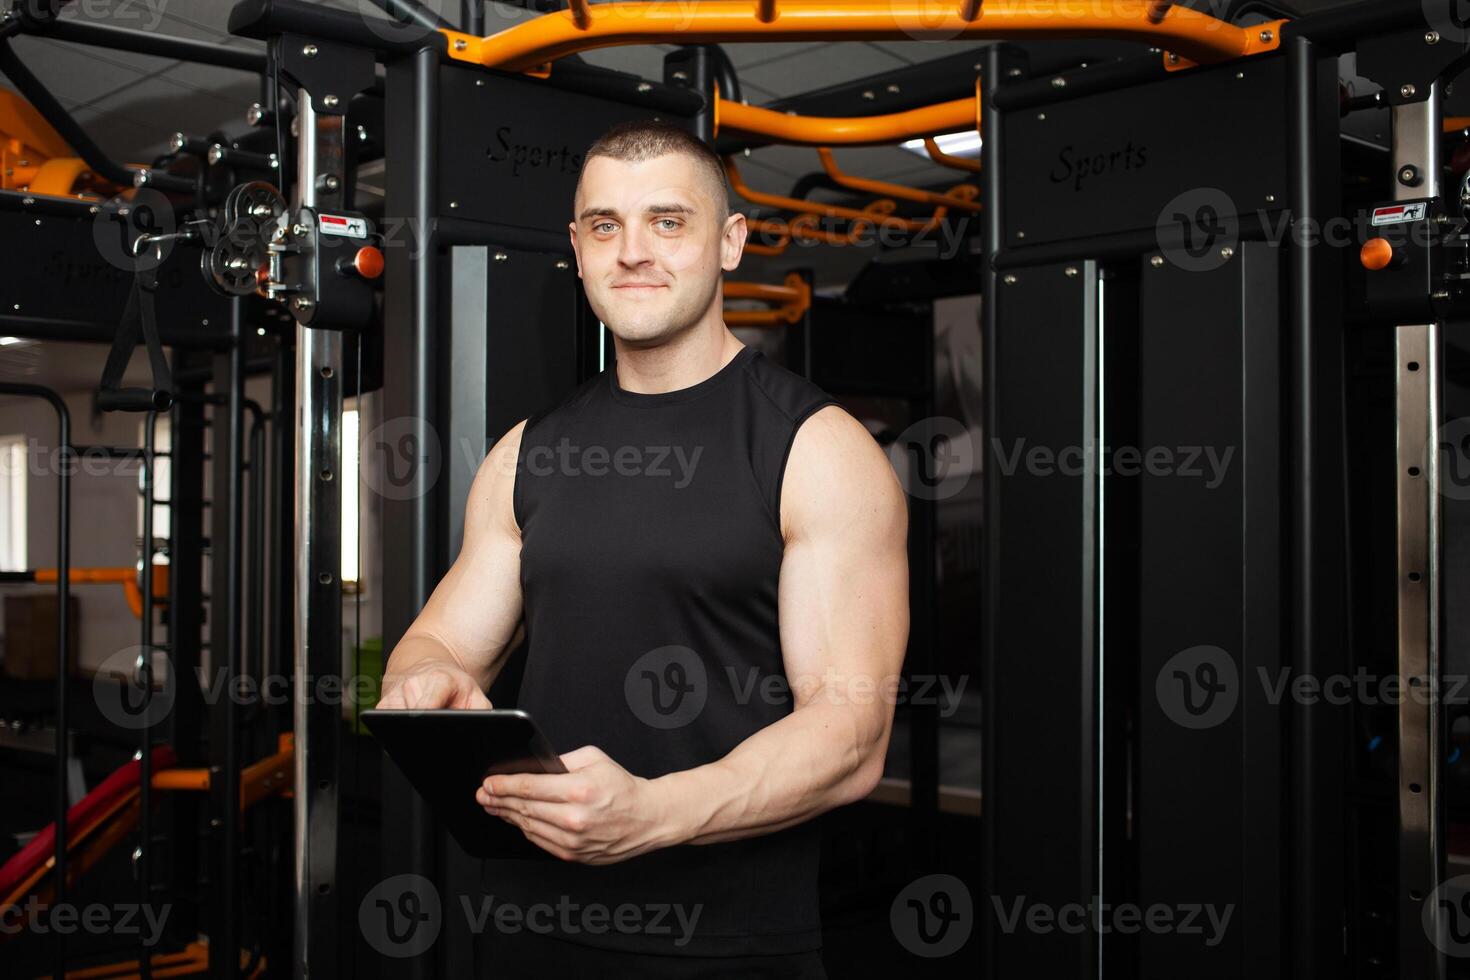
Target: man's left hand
[(595, 813)]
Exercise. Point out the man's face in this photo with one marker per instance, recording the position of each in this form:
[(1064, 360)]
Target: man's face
[(651, 245)]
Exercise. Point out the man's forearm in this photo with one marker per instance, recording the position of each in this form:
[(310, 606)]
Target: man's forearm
[(416, 649), (819, 757)]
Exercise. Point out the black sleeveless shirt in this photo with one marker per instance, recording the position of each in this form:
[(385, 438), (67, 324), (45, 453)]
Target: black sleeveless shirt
[(651, 549)]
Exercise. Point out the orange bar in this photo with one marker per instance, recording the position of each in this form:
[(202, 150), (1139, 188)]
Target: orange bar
[(114, 576), (534, 42), (182, 779), (931, 120), (949, 160), (795, 298), (1452, 123), (762, 291), (829, 163), (823, 210)]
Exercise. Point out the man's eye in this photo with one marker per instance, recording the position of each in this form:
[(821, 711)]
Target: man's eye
[(669, 221), (605, 224)]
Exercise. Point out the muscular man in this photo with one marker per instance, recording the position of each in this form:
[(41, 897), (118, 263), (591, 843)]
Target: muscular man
[(709, 555)]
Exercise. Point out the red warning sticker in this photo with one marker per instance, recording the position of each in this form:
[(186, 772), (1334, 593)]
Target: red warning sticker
[(341, 224), (1396, 214)]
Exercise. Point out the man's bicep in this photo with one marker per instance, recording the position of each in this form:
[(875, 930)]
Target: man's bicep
[(844, 576), (475, 608)]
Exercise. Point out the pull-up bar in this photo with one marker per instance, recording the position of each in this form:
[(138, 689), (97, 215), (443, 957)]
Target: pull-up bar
[(931, 120), (533, 43)]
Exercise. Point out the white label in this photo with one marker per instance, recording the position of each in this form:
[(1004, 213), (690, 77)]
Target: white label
[(1399, 213), (340, 224)]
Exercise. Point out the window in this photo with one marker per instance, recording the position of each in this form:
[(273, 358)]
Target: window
[(13, 477), (349, 500), (162, 479)]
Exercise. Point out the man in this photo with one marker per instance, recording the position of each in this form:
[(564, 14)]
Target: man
[(710, 556)]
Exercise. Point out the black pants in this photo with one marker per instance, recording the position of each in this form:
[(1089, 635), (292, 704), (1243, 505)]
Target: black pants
[(529, 955)]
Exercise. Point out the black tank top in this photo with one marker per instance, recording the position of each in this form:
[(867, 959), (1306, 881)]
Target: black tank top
[(650, 553)]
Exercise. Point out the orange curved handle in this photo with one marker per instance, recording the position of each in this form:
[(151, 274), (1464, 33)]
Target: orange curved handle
[(829, 164)]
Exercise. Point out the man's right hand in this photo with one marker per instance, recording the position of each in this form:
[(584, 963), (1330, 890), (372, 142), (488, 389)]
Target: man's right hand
[(432, 685)]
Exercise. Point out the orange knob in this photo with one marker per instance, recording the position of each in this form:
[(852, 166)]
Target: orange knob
[(1377, 254), (368, 262)]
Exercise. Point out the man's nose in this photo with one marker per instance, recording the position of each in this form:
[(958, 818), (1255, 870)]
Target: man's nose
[(634, 247)]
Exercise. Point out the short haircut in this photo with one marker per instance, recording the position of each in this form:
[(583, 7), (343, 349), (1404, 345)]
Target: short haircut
[(637, 140)]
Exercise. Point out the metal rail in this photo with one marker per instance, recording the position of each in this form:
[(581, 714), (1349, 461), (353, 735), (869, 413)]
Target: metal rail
[(534, 43)]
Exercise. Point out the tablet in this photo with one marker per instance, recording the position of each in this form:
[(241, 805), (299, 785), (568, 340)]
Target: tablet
[(446, 753)]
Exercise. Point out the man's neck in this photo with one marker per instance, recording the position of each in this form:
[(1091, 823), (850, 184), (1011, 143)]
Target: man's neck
[(682, 362)]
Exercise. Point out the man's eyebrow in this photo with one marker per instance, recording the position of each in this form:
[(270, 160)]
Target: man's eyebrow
[(650, 209)]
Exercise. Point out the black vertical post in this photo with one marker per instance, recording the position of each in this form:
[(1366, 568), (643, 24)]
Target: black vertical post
[(224, 647), (990, 180), (281, 622), (145, 751), (185, 722), (409, 842), (921, 664), (1317, 592)]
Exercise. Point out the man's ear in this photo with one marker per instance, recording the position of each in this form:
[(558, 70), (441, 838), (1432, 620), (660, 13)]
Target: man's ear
[(572, 231), (732, 245)]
